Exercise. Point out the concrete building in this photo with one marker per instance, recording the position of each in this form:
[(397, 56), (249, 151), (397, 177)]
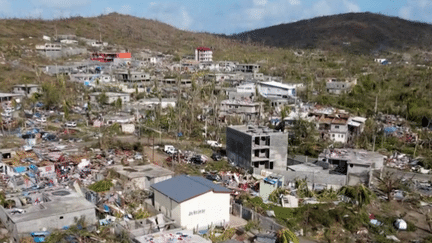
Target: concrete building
[(193, 202), (27, 89), (111, 97), (356, 164), (46, 211), (248, 68), (257, 147), (203, 54), (133, 77), (276, 89), (142, 177), (337, 87), (246, 109), (8, 97), (152, 102)]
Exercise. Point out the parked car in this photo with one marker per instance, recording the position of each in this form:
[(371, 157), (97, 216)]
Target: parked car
[(216, 156), (138, 156), (198, 159), (71, 124), (169, 149), (213, 144), (41, 119)]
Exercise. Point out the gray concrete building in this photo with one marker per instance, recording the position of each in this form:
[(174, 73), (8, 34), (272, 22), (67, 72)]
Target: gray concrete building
[(142, 177), (46, 211), (257, 147), (27, 89)]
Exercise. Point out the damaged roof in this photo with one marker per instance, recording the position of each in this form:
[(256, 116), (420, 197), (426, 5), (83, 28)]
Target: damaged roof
[(182, 188)]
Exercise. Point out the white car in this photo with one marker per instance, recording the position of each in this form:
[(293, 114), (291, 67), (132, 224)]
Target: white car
[(41, 120), (71, 124), (9, 110), (214, 144)]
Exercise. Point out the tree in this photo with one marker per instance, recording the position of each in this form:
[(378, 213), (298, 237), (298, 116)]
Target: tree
[(359, 193), (118, 104), (287, 236), (102, 98), (388, 182)]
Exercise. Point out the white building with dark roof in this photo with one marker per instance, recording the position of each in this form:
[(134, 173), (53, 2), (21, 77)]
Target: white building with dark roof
[(192, 201)]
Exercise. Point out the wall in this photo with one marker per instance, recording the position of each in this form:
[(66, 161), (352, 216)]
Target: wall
[(239, 147), (168, 207), (266, 223), (278, 150), (216, 206)]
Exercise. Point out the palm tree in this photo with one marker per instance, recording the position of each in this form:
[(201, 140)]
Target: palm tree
[(360, 194)]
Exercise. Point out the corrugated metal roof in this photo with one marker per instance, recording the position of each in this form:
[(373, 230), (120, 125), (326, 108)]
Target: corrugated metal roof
[(183, 187)]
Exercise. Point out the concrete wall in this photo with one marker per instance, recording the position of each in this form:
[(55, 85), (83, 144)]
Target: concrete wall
[(205, 210), (331, 180), (168, 207), (239, 147), (266, 223), (278, 150), (56, 222)]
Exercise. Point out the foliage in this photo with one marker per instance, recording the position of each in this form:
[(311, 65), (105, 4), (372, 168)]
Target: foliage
[(224, 235), (251, 224), (101, 186), (274, 196), (287, 236), (360, 194), (303, 189), (141, 214)]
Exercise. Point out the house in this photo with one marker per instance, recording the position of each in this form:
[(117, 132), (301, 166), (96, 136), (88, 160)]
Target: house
[(8, 97), (203, 54), (337, 87), (356, 164), (49, 210), (49, 47), (133, 77), (244, 108), (257, 147), (143, 176), (248, 68), (152, 102), (111, 97), (339, 130), (192, 201), (27, 89), (276, 89)]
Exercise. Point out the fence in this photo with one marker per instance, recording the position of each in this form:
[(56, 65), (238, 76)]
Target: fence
[(266, 223)]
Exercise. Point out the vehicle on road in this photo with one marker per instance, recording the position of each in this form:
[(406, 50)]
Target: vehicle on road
[(71, 124)]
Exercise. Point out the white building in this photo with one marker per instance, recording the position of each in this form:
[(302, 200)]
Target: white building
[(111, 97), (276, 89), (203, 54), (193, 202)]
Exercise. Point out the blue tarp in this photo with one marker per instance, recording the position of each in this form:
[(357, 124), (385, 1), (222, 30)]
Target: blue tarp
[(106, 208), (20, 169), (34, 167), (390, 130)]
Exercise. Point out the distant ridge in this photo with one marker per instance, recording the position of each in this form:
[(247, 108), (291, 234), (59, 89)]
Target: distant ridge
[(363, 31)]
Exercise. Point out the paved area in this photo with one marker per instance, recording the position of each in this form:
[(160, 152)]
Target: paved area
[(236, 222)]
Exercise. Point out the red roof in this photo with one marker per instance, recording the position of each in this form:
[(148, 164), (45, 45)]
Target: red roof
[(201, 48)]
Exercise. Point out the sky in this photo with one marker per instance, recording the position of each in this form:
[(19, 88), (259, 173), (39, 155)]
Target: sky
[(216, 16)]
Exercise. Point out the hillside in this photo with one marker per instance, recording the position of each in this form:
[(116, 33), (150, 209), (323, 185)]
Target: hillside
[(364, 31), (124, 30)]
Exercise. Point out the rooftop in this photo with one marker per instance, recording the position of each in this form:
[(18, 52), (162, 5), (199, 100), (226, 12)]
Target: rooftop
[(149, 171), (201, 48), (254, 130), (354, 156), (172, 236), (27, 85), (7, 95), (59, 202), (279, 85), (182, 188)]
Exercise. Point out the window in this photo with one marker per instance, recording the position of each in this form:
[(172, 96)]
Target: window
[(61, 217), (333, 135), (336, 127)]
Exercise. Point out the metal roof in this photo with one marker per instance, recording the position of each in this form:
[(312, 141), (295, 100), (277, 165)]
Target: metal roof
[(182, 188)]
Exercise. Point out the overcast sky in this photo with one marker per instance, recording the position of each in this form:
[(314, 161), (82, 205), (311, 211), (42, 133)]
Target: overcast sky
[(216, 16)]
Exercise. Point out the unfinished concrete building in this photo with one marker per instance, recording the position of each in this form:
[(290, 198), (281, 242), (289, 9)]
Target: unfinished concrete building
[(257, 147)]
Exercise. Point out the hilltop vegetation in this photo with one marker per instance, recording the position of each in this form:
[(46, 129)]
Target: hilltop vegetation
[(365, 32)]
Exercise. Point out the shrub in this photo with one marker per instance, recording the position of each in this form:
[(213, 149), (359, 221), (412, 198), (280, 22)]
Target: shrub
[(101, 186)]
